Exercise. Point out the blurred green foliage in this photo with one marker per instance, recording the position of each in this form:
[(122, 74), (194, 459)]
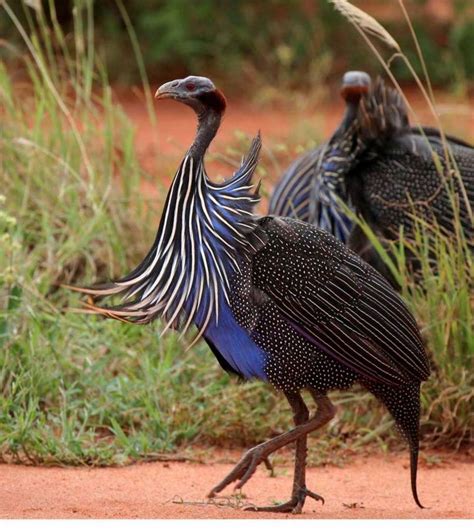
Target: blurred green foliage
[(287, 43)]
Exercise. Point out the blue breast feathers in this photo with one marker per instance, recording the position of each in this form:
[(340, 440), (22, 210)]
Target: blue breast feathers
[(205, 231), (235, 345)]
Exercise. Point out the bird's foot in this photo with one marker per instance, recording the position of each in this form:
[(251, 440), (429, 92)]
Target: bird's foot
[(244, 469), (294, 505)]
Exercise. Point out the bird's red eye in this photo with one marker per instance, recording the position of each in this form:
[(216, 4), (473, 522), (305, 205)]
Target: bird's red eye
[(190, 86)]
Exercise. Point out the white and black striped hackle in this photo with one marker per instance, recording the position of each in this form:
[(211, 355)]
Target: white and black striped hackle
[(206, 228)]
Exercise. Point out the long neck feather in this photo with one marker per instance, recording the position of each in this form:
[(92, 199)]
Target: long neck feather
[(205, 232), (367, 124), (382, 115), (328, 188)]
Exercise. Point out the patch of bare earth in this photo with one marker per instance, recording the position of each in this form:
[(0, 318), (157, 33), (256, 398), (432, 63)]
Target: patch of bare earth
[(370, 487)]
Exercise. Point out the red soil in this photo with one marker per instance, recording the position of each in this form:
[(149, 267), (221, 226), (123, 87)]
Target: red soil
[(161, 146), (369, 488)]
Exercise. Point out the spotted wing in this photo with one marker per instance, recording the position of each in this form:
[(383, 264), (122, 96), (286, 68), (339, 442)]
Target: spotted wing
[(338, 302)]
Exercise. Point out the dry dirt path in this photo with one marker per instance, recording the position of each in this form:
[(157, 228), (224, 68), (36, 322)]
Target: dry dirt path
[(370, 487)]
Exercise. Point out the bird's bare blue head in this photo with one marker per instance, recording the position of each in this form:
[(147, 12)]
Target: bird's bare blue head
[(197, 92), (354, 85), (205, 99)]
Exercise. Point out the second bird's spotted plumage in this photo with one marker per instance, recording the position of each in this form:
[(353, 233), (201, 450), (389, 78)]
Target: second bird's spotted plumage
[(391, 174), (274, 298)]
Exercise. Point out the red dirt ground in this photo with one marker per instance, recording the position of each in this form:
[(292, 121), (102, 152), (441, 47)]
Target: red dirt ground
[(367, 488), (161, 147)]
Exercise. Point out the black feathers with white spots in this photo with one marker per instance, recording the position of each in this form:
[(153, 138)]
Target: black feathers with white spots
[(304, 283)]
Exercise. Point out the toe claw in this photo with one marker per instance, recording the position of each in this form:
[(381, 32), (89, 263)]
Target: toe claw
[(314, 496), (294, 505)]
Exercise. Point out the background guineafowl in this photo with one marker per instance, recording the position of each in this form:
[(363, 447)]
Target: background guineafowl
[(396, 176), (384, 169), (275, 298), (309, 189)]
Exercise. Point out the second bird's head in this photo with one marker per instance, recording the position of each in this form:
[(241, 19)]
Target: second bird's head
[(355, 84), (197, 92)]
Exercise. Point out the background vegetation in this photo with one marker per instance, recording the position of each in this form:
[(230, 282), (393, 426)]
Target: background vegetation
[(288, 43), (81, 390)]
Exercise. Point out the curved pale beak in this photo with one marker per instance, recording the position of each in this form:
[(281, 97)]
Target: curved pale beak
[(166, 90)]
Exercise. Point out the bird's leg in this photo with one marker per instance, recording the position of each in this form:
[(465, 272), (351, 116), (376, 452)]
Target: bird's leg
[(252, 458), (300, 492), (300, 416)]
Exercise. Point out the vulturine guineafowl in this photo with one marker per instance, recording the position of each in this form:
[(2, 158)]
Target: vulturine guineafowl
[(404, 174), (384, 169), (274, 298), (310, 189)]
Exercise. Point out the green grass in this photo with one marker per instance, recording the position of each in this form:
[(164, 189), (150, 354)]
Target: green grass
[(76, 389)]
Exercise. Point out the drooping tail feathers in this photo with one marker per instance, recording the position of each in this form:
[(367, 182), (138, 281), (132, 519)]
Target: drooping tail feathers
[(403, 403)]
